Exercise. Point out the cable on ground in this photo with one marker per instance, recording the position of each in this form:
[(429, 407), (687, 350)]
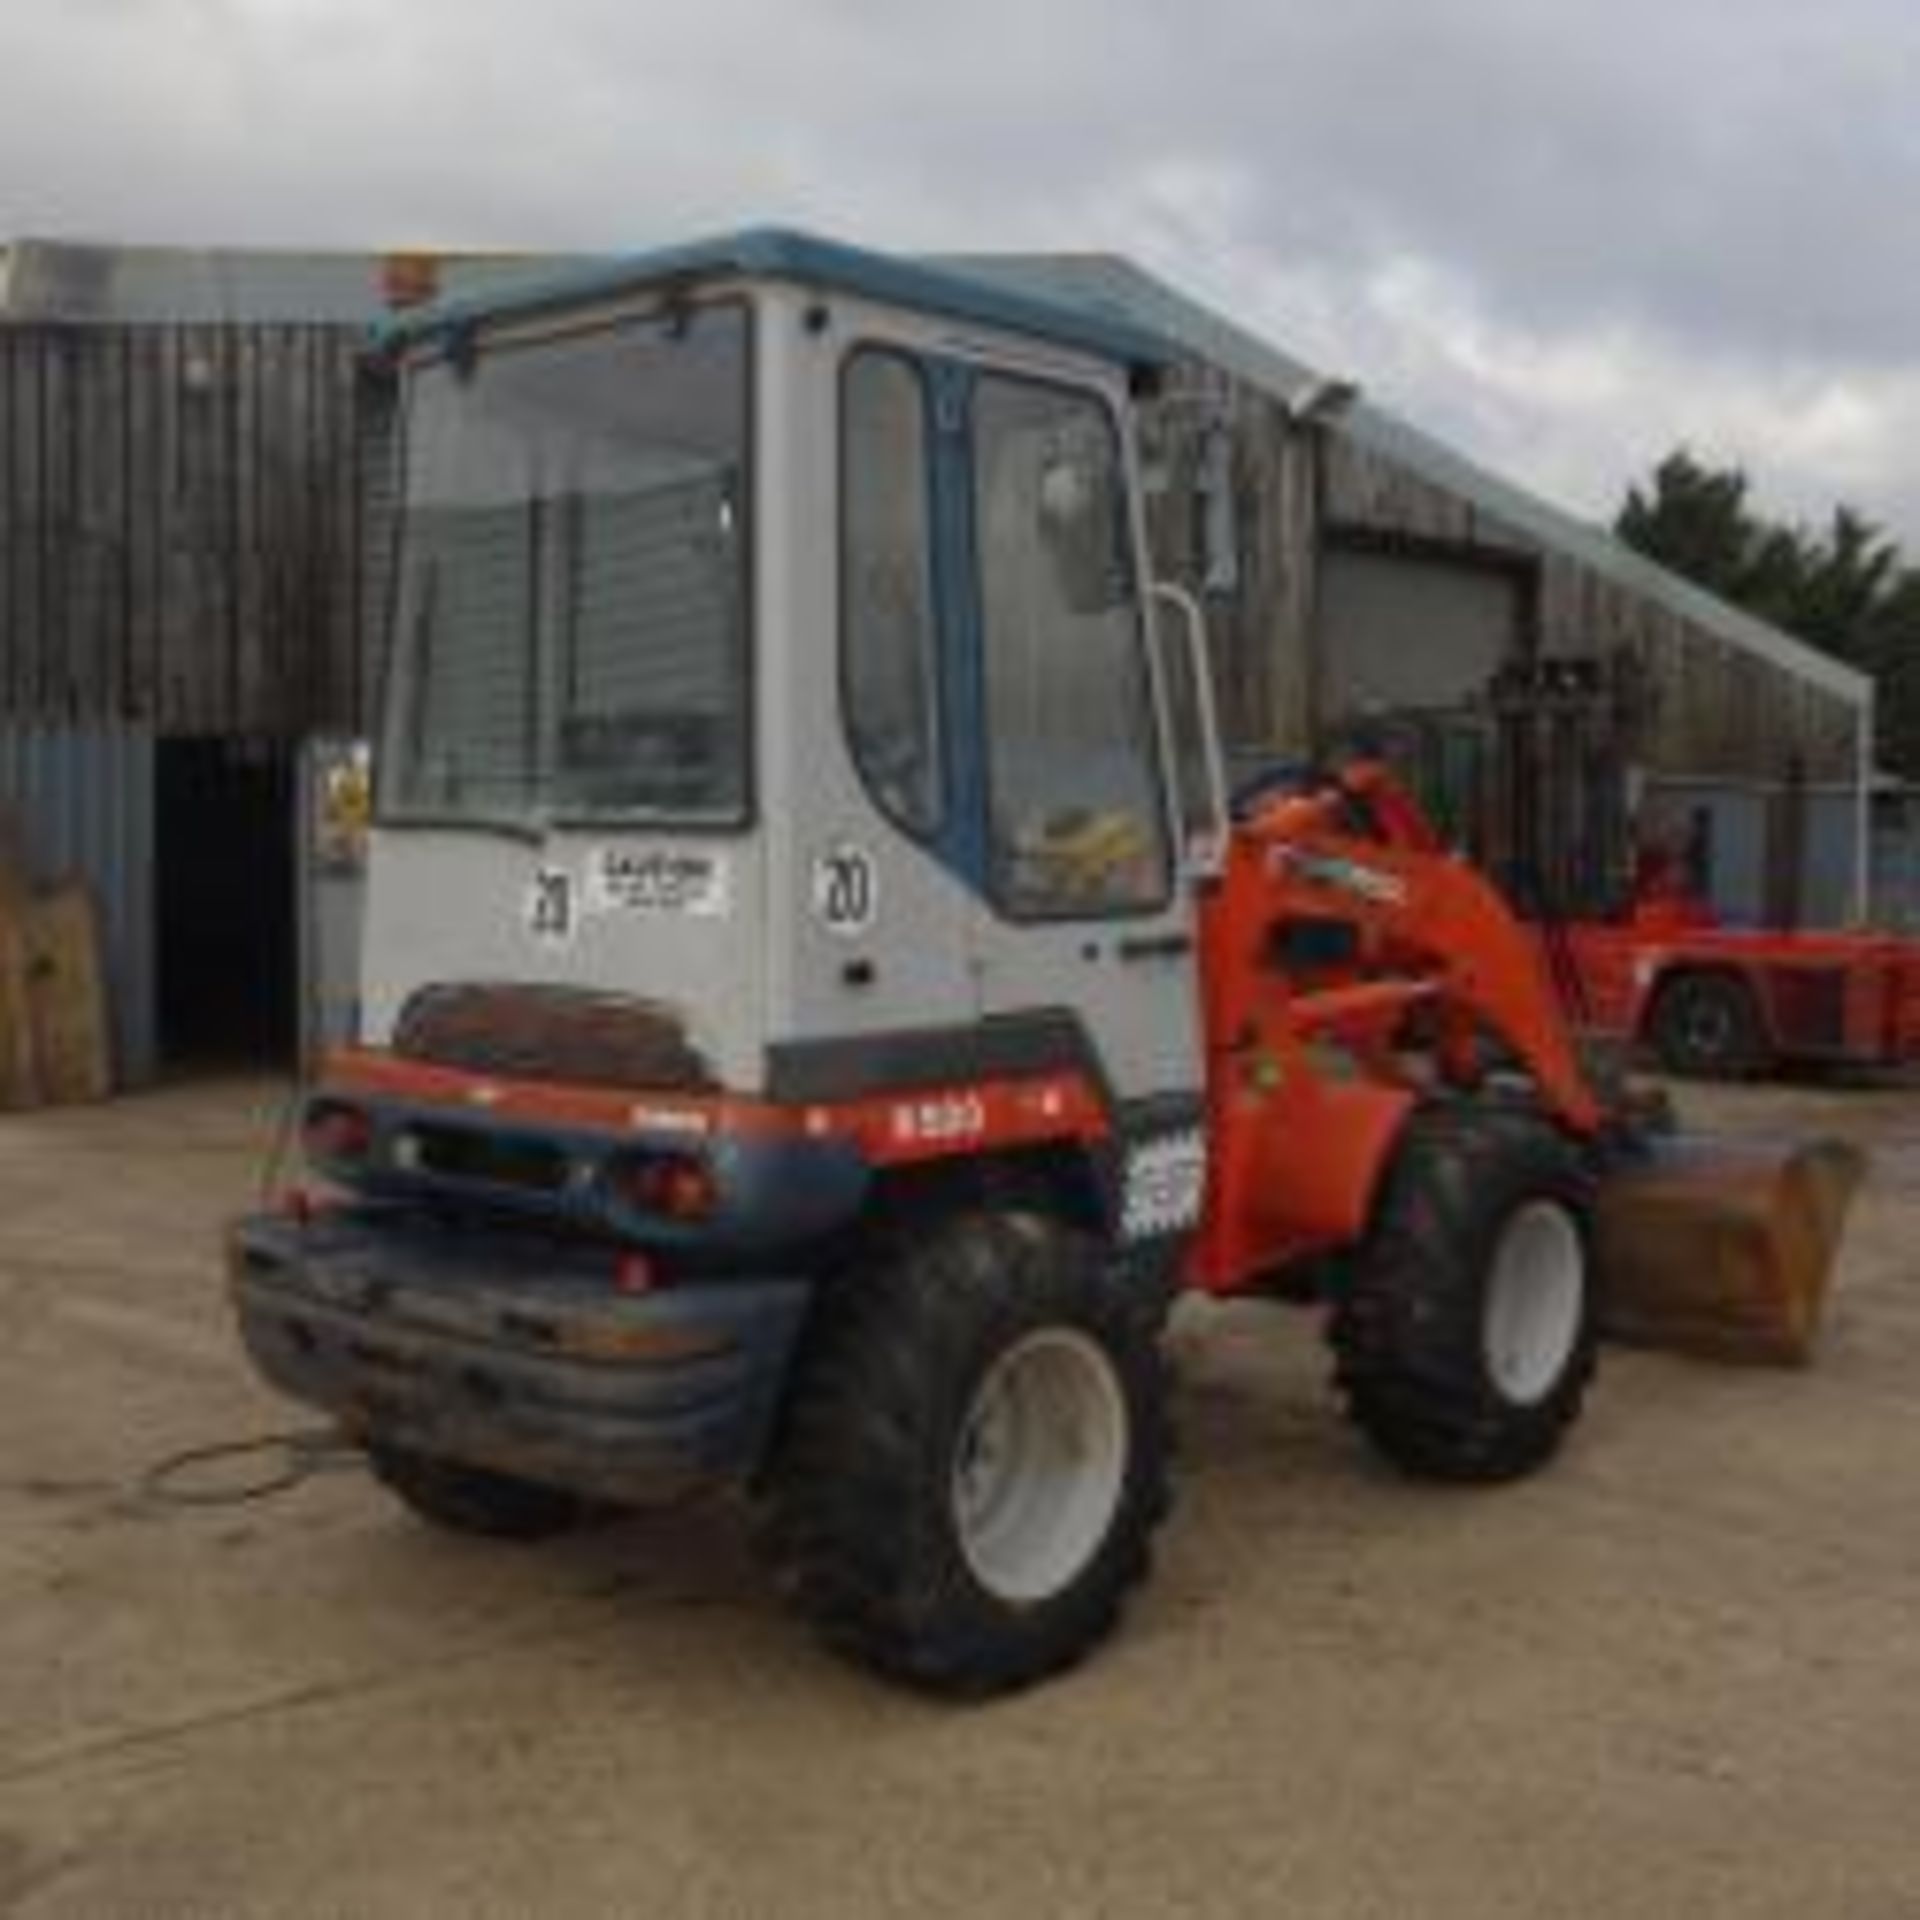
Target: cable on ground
[(202, 1476)]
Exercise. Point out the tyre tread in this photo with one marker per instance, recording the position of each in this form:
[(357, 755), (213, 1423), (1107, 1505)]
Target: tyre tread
[(1407, 1335), (853, 1519)]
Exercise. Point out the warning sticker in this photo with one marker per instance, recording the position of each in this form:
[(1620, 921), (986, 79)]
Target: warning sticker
[(1165, 1185), (625, 880)]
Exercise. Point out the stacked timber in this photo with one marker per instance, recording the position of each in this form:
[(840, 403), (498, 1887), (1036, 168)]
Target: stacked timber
[(55, 1039)]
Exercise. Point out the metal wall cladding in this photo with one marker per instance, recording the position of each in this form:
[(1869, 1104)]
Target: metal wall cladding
[(181, 527), (74, 281), (1744, 826), (82, 800), (1830, 860), (1734, 823), (1896, 864)]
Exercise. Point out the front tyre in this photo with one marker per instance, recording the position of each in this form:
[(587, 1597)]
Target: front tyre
[(975, 1456), (1466, 1337)]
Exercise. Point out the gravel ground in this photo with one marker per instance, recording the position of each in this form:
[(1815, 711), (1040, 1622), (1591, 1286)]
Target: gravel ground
[(1677, 1675)]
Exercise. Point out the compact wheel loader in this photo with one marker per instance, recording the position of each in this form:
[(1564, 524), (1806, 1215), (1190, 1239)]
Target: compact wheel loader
[(821, 1004)]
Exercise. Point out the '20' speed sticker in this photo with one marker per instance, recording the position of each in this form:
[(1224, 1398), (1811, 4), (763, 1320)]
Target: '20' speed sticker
[(846, 890), (550, 907)]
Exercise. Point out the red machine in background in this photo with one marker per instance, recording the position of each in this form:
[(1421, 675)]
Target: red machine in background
[(1717, 1002), (1638, 953)]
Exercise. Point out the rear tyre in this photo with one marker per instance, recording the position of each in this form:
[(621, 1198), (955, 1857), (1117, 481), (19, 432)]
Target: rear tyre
[(1466, 1336), (1707, 1026), (975, 1456), (464, 1499)]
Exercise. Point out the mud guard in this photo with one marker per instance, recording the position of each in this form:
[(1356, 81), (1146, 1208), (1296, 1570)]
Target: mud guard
[(1297, 1175)]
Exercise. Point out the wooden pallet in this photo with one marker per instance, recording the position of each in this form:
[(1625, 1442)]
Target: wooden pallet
[(66, 996), (56, 1042)]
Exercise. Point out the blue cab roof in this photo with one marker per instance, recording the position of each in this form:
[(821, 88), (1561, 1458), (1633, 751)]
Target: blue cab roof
[(779, 253)]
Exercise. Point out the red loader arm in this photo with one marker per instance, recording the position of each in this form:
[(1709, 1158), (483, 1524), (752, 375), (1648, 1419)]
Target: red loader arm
[(1349, 960)]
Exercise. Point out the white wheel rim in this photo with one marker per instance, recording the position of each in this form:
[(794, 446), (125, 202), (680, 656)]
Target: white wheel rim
[(1040, 1465), (1536, 1301)]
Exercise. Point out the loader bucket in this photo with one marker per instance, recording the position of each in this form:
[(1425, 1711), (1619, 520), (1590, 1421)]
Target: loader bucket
[(1724, 1248)]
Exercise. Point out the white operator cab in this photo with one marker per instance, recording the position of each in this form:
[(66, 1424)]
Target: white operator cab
[(774, 641), (785, 1060)]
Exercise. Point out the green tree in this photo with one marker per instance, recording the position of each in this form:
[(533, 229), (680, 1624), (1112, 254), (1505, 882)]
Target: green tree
[(1848, 577), (1845, 590), (1694, 520), (1893, 652)]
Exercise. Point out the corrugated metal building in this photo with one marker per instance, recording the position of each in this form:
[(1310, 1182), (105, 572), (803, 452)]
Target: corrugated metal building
[(190, 538)]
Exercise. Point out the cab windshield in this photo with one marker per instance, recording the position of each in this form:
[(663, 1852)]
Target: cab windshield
[(570, 627)]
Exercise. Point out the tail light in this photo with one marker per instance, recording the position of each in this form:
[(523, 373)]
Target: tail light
[(668, 1186), (634, 1274), (337, 1134)]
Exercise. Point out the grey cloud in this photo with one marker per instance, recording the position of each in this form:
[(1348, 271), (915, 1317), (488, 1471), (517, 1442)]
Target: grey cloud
[(1657, 217)]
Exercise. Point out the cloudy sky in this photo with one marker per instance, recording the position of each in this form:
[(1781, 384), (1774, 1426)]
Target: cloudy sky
[(1562, 235)]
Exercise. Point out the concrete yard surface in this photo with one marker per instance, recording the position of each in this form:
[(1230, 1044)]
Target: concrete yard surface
[(1678, 1674)]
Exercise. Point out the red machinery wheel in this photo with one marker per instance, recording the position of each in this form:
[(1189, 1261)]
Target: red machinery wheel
[(1708, 1026)]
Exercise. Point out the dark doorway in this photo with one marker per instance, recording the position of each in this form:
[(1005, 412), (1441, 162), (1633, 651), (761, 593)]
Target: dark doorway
[(226, 908)]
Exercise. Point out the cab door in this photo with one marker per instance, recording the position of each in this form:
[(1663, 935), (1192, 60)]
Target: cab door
[(1081, 908)]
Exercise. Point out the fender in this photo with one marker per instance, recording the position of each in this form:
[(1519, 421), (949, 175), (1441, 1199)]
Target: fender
[(1294, 1174)]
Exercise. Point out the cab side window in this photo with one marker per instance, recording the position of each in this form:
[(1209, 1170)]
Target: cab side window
[(1077, 819), (888, 648)]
